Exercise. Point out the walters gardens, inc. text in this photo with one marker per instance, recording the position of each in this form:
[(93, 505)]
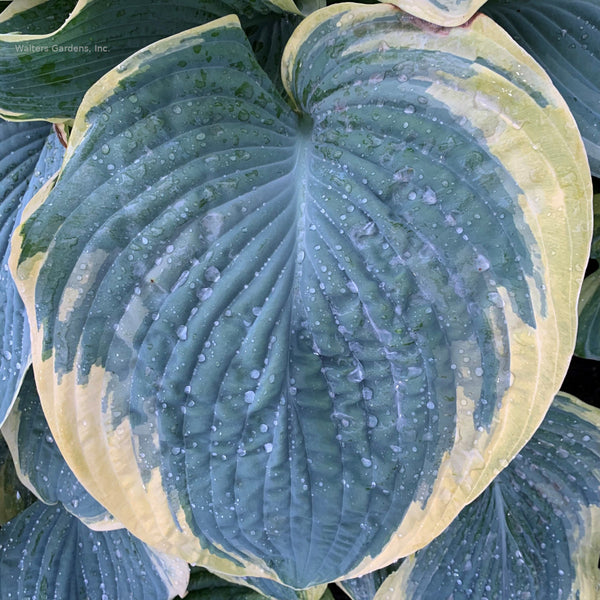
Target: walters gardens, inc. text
[(43, 48)]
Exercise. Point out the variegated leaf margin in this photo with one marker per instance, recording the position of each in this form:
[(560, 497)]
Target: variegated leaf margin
[(564, 37), (278, 304), (40, 464), (48, 553), (534, 533), (447, 13)]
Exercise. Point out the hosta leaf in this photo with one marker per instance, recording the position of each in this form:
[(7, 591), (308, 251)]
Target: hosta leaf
[(366, 586), (268, 37), (534, 533), (46, 76), (35, 17), (564, 37), (595, 252), (48, 553), (447, 13), (40, 463), (588, 332), (14, 496), (20, 147), (303, 343)]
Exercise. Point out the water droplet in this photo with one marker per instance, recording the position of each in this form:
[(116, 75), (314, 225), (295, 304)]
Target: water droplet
[(204, 294), (366, 462), (249, 396), (212, 274), (357, 374), (264, 428), (429, 196), (482, 263), (255, 373), (409, 109), (268, 447), (105, 149), (372, 421), (177, 109), (182, 332)]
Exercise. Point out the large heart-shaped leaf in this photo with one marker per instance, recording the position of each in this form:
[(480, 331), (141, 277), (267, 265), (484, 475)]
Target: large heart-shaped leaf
[(40, 464), (20, 148), (534, 533), (45, 76), (303, 343), (48, 553), (564, 38)]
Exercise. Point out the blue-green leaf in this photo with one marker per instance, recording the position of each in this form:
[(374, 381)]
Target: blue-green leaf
[(564, 37), (40, 464), (534, 533), (293, 345), (35, 18), (20, 147), (588, 333), (366, 586), (45, 76), (45, 552)]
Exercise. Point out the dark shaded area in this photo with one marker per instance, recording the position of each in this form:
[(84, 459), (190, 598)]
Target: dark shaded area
[(337, 593), (583, 380)]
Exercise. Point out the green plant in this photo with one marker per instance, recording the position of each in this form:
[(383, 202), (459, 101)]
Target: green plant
[(298, 296)]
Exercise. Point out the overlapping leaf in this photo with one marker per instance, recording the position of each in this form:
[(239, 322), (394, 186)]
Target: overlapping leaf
[(534, 533), (366, 587), (20, 148), (48, 553), (564, 37), (295, 345), (588, 332), (35, 18), (40, 464), (447, 13), (45, 76)]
